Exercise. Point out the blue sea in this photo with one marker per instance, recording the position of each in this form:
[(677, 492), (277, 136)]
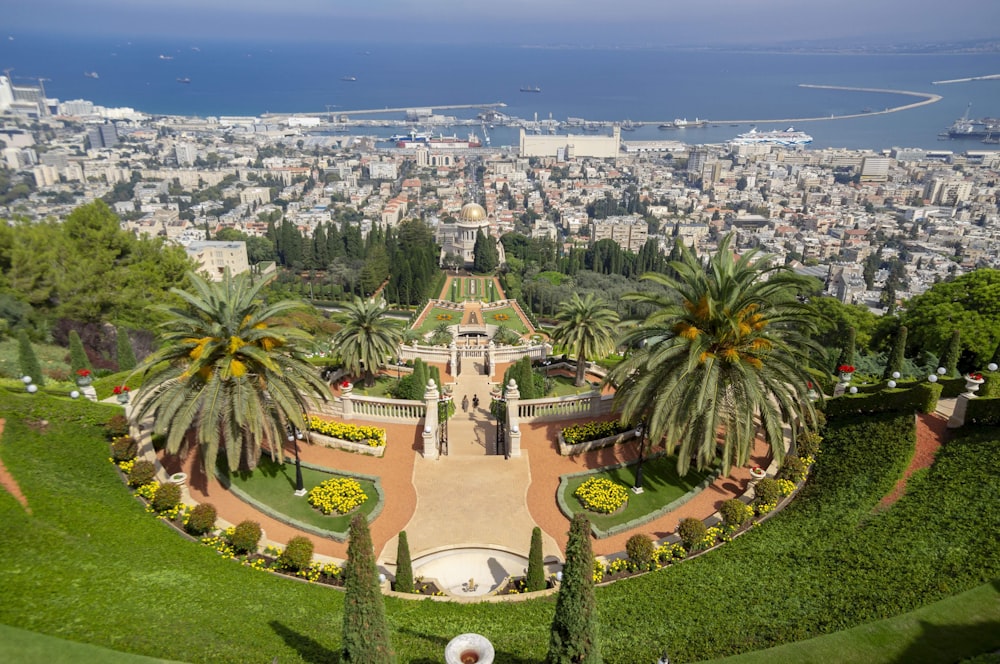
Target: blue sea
[(652, 86)]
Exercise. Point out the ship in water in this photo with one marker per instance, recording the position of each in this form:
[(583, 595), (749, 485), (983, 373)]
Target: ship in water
[(787, 137), (684, 123), (91, 74), (349, 78), (184, 79), (439, 142), (530, 88), (982, 128)]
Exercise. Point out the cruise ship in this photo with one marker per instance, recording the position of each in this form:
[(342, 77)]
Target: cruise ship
[(787, 137), (438, 142)]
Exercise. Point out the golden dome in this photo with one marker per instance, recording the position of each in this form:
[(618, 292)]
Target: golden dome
[(472, 212)]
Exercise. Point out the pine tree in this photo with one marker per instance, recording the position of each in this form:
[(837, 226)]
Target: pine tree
[(895, 361), (366, 632), (573, 639), (126, 356), (949, 360), (77, 355), (28, 360), (404, 566), (536, 566)]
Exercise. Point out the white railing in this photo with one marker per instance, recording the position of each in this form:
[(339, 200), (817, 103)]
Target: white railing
[(380, 408), (564, 408), (434, 354), (504, 354)]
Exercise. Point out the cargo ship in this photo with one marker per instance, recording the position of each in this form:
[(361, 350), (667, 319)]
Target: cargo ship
[(530, 88), (439, 142), (981, 128), (787, 137)]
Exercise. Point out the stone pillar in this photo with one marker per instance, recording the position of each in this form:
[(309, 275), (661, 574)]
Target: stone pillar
[(454, 358), (347, 406), (512, 396), (430, 433), (491, 359), (957, 418)]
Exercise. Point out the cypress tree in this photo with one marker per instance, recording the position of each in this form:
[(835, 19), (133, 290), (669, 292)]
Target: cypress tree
[(126, 356), (847, 352), (77, 355), (420, 376), (949, 360), (28, 360), (404, 566), (895, 362), (366, 632), (536, 566), (573, 639)]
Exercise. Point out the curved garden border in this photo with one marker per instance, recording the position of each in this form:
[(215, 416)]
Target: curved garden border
[(339, 536), (346, 445)]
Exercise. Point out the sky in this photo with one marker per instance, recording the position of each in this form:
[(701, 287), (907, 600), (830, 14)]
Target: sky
[(542, 22)]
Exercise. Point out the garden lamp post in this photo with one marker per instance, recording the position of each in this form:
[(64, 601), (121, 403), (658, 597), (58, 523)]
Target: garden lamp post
[(294, 437), (641, 432)]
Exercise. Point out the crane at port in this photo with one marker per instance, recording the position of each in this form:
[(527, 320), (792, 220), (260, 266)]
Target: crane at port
[(486, 135)]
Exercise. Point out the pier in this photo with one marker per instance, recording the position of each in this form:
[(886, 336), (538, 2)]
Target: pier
[(401, 109), (988, 77)]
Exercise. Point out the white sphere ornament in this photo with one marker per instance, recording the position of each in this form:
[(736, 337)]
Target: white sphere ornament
[(942, 371), (895, 374), (932, 378), (854, 390), (891, 383), (26, 380), (992, 366), (74, 395), (32, 388)]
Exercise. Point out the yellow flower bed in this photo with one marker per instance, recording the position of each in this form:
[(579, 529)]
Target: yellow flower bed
[(339, 495), (501, 317), (599, 494), (582, 433), (444, 316), (371, 436)]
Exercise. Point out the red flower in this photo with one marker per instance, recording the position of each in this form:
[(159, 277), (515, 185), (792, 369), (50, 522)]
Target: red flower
[(809, 384), (346, 383), (83, 372), (976, 376), (121, 389), (846, 368)]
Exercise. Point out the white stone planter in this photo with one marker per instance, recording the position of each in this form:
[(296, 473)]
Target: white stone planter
[(469, 649), (845, 377), (180, 479), (566, 449), (347, 445), (972, 385)]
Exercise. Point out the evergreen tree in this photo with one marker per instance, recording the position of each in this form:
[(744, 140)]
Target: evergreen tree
[(573, 639), (536, 566), (77, 355), (420, 376), (996, 355), (404, 566), (126, 355), (847, 352), (27, 359), (949, 360), (366, 632), (895, 360)]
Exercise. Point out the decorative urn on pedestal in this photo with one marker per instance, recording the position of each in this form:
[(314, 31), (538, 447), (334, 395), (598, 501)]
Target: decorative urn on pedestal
[(469, 649), (83, 378), (972, 383)]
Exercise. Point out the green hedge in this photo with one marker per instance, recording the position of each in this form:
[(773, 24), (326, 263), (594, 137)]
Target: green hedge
[(983, 411), (921, 397)]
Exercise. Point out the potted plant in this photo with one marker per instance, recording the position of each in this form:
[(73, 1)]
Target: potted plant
[(972, 382), (121, 392), (346, 386), (83, 378), (846, 372), (756, 475)]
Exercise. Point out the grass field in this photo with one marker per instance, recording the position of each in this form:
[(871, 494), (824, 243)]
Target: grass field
[(436, 316), (52, 358), (505, 316), (660, 482)]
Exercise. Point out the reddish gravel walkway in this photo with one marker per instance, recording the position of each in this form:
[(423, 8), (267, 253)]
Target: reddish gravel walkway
[(932, 432), (8, 482)]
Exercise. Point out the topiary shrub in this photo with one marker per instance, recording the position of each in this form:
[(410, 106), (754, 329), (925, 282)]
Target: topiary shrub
[(735, 512), (793, 468), (142, 472), (535, 579), (766, 494), (123, 448), (246, 536), (167, 497), (117, 426), (807, 443), (298, 554), (692, 532), (640, 549), (201, 519), (404, 565)]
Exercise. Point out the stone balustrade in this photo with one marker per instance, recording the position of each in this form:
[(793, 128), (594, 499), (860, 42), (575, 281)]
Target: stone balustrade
[(593, 404)]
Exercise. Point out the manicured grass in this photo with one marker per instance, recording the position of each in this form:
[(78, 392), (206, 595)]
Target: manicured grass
[(273, 485), (26, 647), (462, 289), (513, 321), (436, 315), (51, 357), (563, 386), (660, 482), (383, 385)]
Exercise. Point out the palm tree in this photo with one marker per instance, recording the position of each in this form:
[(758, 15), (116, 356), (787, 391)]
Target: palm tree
[(367, 337), (229, 372), (726, 347), (441, 336), (588, 326)]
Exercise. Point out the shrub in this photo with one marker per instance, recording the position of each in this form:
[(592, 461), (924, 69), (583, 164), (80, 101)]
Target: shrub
[(123, 448), (404, 565), (599, 494), (77, 355), (735, 512), (766, 493), (167, 497), (807, 444), (582, 433), (201, 519), (246, 536), (536, 566), (692, 532), (298, 554), (793, 468), (117, 426), (640, 549), (142, 472)]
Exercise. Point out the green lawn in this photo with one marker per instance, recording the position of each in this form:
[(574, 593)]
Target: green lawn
[(512, 320), (660, 482), (562, 386), (436, 316), (472, 288), (273, 484), (52, 358), (88, 564)]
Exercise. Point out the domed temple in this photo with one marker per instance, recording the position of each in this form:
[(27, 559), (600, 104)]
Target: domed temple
[(460, 238)]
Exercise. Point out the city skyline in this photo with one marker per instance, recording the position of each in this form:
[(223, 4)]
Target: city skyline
[(632, 23)]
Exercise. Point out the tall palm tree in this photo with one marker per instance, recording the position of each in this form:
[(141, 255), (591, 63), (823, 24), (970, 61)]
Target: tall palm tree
[(368, 337), (727, 347), (229, 372), (588, 326)]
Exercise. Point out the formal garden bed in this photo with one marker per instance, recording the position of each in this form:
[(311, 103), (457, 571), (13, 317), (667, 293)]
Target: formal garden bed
[(580, 438), (363, 439)]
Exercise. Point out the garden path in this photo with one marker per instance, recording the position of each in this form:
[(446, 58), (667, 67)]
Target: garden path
[(932, 432), (8, 482)]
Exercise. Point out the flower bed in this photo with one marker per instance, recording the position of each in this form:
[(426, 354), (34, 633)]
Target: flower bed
[(601, 495), (367, 435), (339, 495), (580, 438)]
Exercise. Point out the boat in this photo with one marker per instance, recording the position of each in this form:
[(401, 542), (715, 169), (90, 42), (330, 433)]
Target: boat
[(440, 142), (530, 88), (684, 123), (981, 128), (91, 74), (349, 78), (184, 79), (628, 125), (166, 57), (787, 137)]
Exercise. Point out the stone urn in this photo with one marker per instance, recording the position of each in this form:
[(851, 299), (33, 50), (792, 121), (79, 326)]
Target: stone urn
[(972, 383), (469, 649), (180, 479), (756, 475), (845, 377), (83, 381)]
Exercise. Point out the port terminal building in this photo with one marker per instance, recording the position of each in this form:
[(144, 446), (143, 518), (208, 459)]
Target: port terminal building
[(570, 146)]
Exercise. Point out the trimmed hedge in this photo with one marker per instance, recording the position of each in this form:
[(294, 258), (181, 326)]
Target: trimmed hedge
[(983, 411), (922, 398)]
